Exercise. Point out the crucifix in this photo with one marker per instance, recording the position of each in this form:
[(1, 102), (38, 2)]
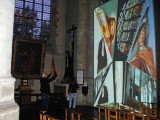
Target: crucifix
[(70, 53), (71, 32)]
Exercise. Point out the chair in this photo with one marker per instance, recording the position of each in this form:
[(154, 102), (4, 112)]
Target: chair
[(127, 108), (125, 113), (153, 105), (150, 110), (51, 118), (112, 113), (44, 116), (66, 113), (73, 114), (152, 114), (100, 108), (138, 113)]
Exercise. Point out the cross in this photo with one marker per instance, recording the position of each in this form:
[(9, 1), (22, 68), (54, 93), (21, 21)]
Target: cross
[(73, 29)]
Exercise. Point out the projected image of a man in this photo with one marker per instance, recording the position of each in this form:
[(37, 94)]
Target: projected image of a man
[(108, 26), (104, 95), (143, 58), (102, 56)]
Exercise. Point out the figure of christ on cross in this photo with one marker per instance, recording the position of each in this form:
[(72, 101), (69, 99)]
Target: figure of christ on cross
[(70, 53), (71, 32)]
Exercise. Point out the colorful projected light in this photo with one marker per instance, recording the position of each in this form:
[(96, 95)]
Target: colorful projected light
[(124, 52)]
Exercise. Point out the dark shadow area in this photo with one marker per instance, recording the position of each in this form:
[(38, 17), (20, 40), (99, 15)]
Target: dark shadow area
[(56, 109)]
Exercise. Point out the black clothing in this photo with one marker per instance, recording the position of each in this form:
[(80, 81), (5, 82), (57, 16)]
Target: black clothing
[(85, 90), (73, 87), (103, 99), (45, 87), (102, 59), (69, 67)]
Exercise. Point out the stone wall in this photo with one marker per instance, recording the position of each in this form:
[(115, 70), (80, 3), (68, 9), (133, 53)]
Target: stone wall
[(59, 56), (79, 13), (65, 13)]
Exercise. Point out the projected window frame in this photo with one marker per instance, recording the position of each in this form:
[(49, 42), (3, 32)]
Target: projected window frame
[(137, 76), (80, 76)]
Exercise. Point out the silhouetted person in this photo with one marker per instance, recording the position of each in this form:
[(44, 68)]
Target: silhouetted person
[(73, 86), (45, 89)]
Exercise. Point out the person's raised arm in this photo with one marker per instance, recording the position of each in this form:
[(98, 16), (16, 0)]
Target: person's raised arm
[(51, 78)]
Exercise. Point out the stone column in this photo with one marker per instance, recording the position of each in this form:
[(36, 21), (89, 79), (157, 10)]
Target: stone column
[(81, 44), (82, 35), (84, 46), (59, 56), (92, 4), (9, 110)]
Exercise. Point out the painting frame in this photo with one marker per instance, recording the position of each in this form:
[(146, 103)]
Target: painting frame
[(28, 59), (80, 76)]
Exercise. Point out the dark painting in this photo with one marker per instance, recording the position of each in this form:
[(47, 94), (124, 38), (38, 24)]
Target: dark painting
[(28, 59)]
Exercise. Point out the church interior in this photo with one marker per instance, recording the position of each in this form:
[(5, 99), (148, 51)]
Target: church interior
[(108, 47)]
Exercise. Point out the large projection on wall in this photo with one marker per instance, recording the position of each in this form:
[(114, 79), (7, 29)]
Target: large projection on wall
[(139, 87), (124, 52), (104, 35), (104, 86)]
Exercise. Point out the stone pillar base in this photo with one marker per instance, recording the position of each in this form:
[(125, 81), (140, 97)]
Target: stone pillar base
[(9, 112)]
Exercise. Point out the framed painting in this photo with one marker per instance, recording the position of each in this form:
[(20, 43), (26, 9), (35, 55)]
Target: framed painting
[(80, 77), (28, 59)]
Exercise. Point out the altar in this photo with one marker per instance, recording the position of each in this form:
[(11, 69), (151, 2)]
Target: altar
[(60, 88)]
